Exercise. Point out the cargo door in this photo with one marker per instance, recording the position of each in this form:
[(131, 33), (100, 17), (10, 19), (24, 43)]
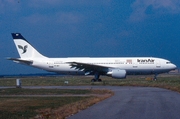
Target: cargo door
[(135, 65)]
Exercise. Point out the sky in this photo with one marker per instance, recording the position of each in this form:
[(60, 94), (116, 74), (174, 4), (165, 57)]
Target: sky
[(90, 28)]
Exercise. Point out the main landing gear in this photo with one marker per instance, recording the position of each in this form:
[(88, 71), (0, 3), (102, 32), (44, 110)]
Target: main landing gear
[(96, 78)]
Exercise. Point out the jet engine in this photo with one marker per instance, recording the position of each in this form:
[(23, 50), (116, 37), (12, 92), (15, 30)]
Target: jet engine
[(118, 73)]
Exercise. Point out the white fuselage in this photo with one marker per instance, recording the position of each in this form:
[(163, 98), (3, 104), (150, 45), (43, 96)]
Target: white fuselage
[(132, 65)]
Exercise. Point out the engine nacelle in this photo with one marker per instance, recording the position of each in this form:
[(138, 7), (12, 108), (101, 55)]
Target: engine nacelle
[(118, 73)]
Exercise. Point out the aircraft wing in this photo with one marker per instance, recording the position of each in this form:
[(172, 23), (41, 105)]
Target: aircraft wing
[(18, 60), (88, 68)]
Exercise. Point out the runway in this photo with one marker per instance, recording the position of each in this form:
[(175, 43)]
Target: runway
[(135, 103), (129, 103)]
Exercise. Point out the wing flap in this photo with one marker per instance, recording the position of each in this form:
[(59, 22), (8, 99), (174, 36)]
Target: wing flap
[(88, 68)]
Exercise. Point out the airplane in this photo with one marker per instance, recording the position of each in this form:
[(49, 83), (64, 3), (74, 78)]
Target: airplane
[(116, 67)]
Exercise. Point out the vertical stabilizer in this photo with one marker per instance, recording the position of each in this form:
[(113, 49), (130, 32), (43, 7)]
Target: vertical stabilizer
[(25, 49)]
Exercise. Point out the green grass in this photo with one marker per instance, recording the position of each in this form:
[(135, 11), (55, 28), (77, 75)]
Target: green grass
[(20, 104), (164, 81), (47, 81), (20, 91), (23, 108)]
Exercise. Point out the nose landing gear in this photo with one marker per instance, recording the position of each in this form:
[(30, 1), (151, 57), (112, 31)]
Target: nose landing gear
[(155, 77)]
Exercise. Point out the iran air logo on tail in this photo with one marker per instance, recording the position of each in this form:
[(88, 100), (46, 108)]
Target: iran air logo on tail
[(23, 48)]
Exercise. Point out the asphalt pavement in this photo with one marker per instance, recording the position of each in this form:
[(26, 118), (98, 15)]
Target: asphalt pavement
[(135, 103)]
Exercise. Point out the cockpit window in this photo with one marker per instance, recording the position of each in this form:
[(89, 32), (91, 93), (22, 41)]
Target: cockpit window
[(168, 62)]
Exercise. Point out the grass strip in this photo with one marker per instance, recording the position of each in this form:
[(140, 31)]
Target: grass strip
[(22, 91), (21, 108), (46, 107), (69, 109)]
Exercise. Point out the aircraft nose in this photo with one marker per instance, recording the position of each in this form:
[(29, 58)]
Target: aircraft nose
[(174, 66)]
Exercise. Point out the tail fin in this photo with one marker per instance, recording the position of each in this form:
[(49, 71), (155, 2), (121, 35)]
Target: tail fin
[(25, 49)]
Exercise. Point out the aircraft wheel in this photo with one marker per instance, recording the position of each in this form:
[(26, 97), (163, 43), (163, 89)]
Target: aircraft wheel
[(99, 80)]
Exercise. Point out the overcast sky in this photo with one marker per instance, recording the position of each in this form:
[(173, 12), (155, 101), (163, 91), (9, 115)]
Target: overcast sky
[(90, 28)]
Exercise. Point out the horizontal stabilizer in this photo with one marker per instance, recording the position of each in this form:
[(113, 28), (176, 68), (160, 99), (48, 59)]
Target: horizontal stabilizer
[(28, 62)]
